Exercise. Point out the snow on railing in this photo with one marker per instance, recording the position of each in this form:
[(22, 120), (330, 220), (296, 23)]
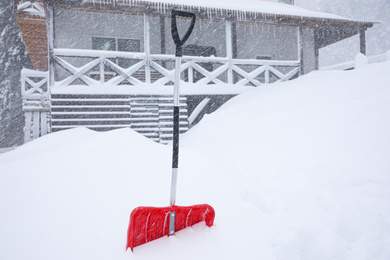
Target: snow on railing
[(95, 67), (36, 103), (360, 59)]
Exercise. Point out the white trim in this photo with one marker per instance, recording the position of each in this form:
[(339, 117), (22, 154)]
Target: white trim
[(147, 47), (229, 50)]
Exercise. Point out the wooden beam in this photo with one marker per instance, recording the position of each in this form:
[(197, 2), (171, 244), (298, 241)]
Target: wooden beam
[(50, 38), (147, 47), (234, 47), (363, 41), (300, 49), (234, 40), (162, 36), (229, 49)]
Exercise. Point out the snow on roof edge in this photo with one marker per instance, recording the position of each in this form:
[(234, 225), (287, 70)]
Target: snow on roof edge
[(239, 10), (32, 8)]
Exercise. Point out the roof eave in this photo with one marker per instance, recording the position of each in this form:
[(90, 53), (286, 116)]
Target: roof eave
[(220, 14)]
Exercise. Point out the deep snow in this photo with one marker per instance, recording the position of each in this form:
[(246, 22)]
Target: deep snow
[(294, 170)]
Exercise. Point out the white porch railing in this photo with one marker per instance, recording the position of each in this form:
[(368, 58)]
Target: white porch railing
[(94, 67), (36, 103), (349, 65)]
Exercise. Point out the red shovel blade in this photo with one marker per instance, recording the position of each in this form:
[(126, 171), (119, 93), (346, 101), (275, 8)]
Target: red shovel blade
[(149, 223)]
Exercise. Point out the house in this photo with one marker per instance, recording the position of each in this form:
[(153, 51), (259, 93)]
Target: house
[(111, 62)]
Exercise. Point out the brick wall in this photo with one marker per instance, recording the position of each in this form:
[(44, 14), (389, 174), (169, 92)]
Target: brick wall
[(34, 34)]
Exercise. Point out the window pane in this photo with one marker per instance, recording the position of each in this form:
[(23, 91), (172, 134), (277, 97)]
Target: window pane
[(129, 45), (106, 44)]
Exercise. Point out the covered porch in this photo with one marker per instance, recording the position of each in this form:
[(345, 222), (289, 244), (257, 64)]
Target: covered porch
[(232, 51)]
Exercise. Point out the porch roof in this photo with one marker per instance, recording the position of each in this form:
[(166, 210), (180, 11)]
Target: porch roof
[(241, 10), (328, 28)]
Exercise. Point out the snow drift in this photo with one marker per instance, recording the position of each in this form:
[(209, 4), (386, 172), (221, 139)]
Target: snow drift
[(294, 170)]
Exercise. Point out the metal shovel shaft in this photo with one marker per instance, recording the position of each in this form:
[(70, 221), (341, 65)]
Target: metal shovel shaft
[(176, 119)]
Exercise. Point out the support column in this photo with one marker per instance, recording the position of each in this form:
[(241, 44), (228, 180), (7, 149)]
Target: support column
[(316, 58), (162, 36), (234, 47), (50, 56), (234, 40), (147, 47), (363, 41), (229, 50), (300, 49), (50, 38)]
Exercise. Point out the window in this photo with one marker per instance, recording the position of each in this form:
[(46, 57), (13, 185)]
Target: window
[(290, 2), (117, 44)]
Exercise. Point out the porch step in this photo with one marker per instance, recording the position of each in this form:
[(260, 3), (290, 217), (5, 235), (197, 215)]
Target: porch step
[(148, 115)]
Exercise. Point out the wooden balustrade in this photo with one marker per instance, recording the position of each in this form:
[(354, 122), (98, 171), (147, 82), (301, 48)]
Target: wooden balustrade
[(36, 103), (209, 70)]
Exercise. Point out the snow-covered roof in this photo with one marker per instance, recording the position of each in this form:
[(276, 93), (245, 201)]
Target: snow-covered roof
[(240, 8), (32, 8)]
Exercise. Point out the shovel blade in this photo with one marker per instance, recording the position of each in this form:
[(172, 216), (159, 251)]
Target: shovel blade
[(150, 223)]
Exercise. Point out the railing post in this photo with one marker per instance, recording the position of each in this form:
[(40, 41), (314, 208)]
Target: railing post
[(101, 70), (36, 104), (229, 50), (266, 74), (190, 73), (147, 47)]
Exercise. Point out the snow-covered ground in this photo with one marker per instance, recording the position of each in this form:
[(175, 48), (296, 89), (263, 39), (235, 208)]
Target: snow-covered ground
[(294, 170)]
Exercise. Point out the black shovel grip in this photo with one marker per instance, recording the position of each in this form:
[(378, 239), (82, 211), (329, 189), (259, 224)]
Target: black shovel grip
[(175, 33)]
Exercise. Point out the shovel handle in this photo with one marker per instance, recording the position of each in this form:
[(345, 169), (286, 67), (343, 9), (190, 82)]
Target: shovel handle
[(176, 110), (175, 33)]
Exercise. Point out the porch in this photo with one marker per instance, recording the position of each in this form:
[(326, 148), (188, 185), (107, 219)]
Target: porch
[(97, 69)]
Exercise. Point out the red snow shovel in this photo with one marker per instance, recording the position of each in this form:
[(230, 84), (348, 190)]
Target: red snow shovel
[(149, 223)]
